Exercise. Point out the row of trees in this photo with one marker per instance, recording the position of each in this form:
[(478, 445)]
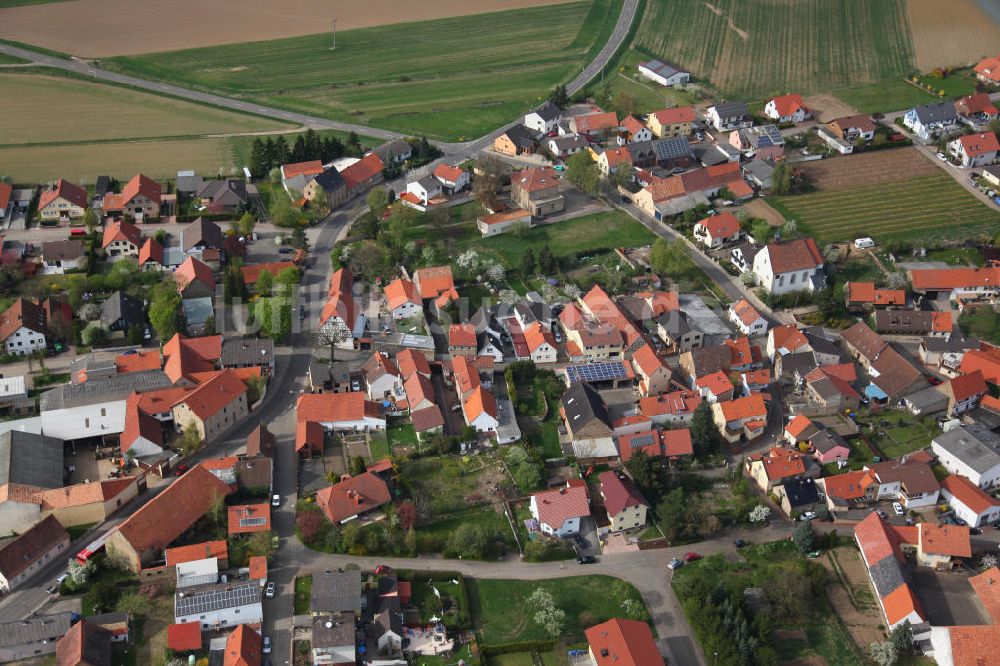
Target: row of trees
[(268, 154)]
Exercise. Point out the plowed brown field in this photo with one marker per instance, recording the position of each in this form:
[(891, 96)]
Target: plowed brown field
[(102, 28), (866, 169), (952, 33)]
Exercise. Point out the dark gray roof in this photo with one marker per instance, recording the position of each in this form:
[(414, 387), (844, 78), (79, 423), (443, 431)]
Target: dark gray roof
[(122, 306), (707, 360), (759, 169), (62, 250), (951, 344), (330, 180), (548, 111), (801, 492), (333, 631), (35, 629), (732, 108), (674, 323), (824, 440), (976, 446), (569, 142), (521, 136), (239, 352), (188, 182), (226, 192), (661, 68), (203, 232), (31, 460), (936, 112), (392, 150), (928, 400), (429, 183), (103, 390), (102, 185), (903, 321), (888, 574), (672, 148), (820, 343), (336, 592), (584, 404), (800, 362)]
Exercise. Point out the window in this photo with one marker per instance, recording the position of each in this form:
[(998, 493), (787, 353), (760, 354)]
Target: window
[(86, 423), (104, 411)]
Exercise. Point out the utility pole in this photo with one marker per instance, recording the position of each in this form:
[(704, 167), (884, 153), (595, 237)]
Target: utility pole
[(334, 47)]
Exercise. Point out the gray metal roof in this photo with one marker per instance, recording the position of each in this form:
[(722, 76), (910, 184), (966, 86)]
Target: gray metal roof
[(976, 446), (340, 631), (247, 351), (198, 310), (103, 390), (583, 404), (336, 592), (31, 460), (122, 306), (35, 629), (888, 574), (548, 112), (198, 600)]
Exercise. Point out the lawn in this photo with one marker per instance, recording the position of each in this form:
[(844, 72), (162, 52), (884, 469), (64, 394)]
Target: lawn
[(379, 447), (52, 109), (450, 603), (756, 48), (897, 433), (400, 434), (925, 209), (432, 537), (501, 606), (450, 78), (898, 94), (981, 323), (303, 594), (449, 484), (77, 531), (600, 232)]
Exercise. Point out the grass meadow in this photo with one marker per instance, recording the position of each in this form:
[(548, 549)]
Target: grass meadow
[(757, 48), (927, 208), (452, 78)]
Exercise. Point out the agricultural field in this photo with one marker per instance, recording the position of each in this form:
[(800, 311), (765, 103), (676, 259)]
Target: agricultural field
[(841, 173), (448, 79), (927, 208), (102, 28), (41, 110), (756, 48), (11, 60), (957, 37)]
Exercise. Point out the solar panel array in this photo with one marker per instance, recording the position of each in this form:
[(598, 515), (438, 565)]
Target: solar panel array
[(596, 372), (641, 441), (226, 595), (252, 522)]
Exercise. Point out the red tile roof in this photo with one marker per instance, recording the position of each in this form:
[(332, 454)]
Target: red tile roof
[(787, 105), (173, 511), (987, 587), (191, 270), (427, 418), (335, 407), (616, 156), (950, 540), (141, 185), (151, 251), (352, 496), (849, 486), (462, 335), (968, 493), (74, 194), (722, 225), (677, 442), (781, 463), (938, 279), (534, 179), (751, 406), (400, 292), (648, 361), (258, 567), (448, 173), (794, 255), (210, 397), (798, 425), (143, 360), (676, 115), (139, 424), (746, 312), (978, 144), (85, 644), (623, 643), (985, 359), (717, 383), (632, 125), (5, 191), (122, 231), (558, 505), (22, 313), (82, 494), (678, 402), (988, 68), (17, 555), (243, 647), (309, 435), (466, 375), (966, 386), (185, 637), (310, 168), (619, 494), (876, 538), (649, 442), (197, 551), (480, 401), (362, 171), (246, 518), (409, 361), (434, 281), (536, 335), (185, 356), (977, 103), (596, 122), (418, 389), (900, 603)]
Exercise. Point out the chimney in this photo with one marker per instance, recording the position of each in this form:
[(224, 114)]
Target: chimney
[(604, 652)]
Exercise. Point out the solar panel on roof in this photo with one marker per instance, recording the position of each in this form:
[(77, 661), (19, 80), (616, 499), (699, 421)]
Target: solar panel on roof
[(228, 596), (252, 522), (597, 372), (641, 441)]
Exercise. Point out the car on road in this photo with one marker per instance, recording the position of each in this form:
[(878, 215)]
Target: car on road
[(675, 564), (355, 385), (586, 559), (973, 176), (898, 508), (276, 500), (942, 157), (932, 380), (302, 312), (383, 569), (284, 249), (267, 645), (691, 557), (52, 589), (808, 515), (739, 543), (180, 469), (882, 514), (61, 577), (269, 590), (580, 542)]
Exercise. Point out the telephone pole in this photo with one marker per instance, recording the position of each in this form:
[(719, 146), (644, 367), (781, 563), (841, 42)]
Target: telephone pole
[(334, 47)]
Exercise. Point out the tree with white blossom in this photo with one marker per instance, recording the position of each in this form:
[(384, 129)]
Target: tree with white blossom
[(760, 514)]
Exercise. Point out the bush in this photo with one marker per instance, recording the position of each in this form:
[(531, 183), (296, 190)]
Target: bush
[(547, 550)]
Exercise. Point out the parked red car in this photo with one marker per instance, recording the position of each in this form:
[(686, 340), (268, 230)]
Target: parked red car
[(691, 557)]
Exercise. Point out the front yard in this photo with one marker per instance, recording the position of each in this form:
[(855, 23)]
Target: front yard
[(303, 594), (504, 616)]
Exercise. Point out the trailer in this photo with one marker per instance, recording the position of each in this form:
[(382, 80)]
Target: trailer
[(94, 547)]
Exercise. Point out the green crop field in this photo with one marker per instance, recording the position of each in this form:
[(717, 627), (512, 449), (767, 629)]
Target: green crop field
[(449, 79), (11, 60), (927, 208), (756, 48)]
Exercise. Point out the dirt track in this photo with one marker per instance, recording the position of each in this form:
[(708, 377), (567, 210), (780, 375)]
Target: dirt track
[(103, 28)]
